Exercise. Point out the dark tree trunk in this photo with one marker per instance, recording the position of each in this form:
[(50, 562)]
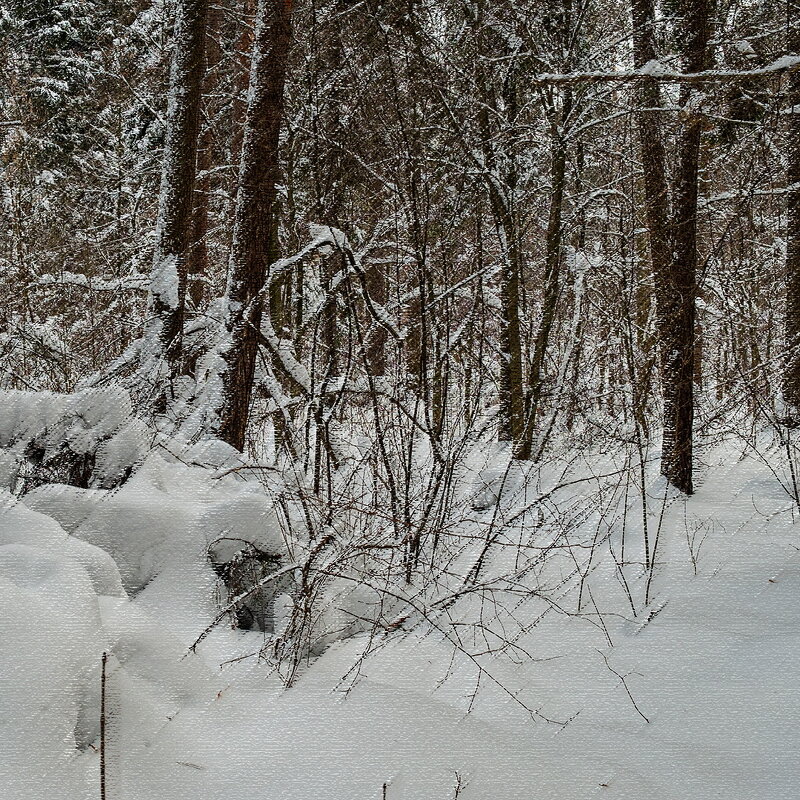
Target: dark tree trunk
[(244, 50), (791, 385), (256, 222), (654, 171), (512, 393), (376, 288), (174, 230), (673, 248), (680, 289)]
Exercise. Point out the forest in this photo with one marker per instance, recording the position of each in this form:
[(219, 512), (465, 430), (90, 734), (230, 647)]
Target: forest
[(399, 399)]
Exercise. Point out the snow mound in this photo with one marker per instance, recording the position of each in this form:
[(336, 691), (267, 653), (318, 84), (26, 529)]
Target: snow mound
[(21, 525), (142, 530), (69, 506), (238, 521), (52, 645)]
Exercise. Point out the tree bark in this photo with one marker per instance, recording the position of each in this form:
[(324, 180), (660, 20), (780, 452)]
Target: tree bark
[(512, 379), (256, 221), (501, 181), (680, 289), (791, 383), (651, 141), (375, 286), (552, 274), (174, 229), (673, 250), (198, 262), (654, 171)]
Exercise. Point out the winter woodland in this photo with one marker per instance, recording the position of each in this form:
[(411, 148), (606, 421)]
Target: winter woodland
[(399, 399)]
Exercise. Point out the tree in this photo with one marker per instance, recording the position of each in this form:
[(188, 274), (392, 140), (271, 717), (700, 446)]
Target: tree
[(198, 264), (653, 154), (174, 240), (679, 289), (791, 382), (255, 233)]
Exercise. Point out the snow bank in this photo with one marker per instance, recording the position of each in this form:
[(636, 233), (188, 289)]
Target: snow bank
[(141, 530), (52, 643), (63, 603), (547, 683), (69, 506), (21, 525)]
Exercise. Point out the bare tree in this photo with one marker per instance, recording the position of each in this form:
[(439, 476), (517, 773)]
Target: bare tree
[(255, 235), (791, 385), (198, 267), (174, 229), (679, 290)]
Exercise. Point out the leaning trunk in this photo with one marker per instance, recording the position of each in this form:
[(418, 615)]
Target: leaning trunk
[(552, 276)]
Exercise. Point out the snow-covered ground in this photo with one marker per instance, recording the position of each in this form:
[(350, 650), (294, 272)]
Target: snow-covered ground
[(696, 695)]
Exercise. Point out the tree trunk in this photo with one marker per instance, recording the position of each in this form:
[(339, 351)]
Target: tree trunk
[(512, 394), (246, 10), (376, 288), (651, 141), (674, 268), (791, 383), (174, 229), (198, 260), (552, 275), (255, 223), (679, 293)]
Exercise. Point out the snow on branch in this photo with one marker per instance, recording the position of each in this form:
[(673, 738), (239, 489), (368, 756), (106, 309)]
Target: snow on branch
[(106, 284), (658, 71)]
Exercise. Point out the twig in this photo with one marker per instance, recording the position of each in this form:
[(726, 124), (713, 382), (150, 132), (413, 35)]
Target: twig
[(103, 728), (624, 684)]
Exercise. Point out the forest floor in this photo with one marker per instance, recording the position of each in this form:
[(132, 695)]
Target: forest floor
[(697, 696)]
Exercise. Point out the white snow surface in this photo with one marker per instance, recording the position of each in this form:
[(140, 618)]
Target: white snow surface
[(711, 663)]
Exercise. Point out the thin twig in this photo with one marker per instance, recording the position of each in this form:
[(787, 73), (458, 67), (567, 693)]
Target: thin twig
[(625, 686)]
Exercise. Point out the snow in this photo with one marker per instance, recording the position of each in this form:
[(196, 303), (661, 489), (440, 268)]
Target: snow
[(21, 524), (164, 282), (147, 525), (325, 234), (52, 640), (97, 422), (247, 518), (655, 68), (693, 697), (782, 63)]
